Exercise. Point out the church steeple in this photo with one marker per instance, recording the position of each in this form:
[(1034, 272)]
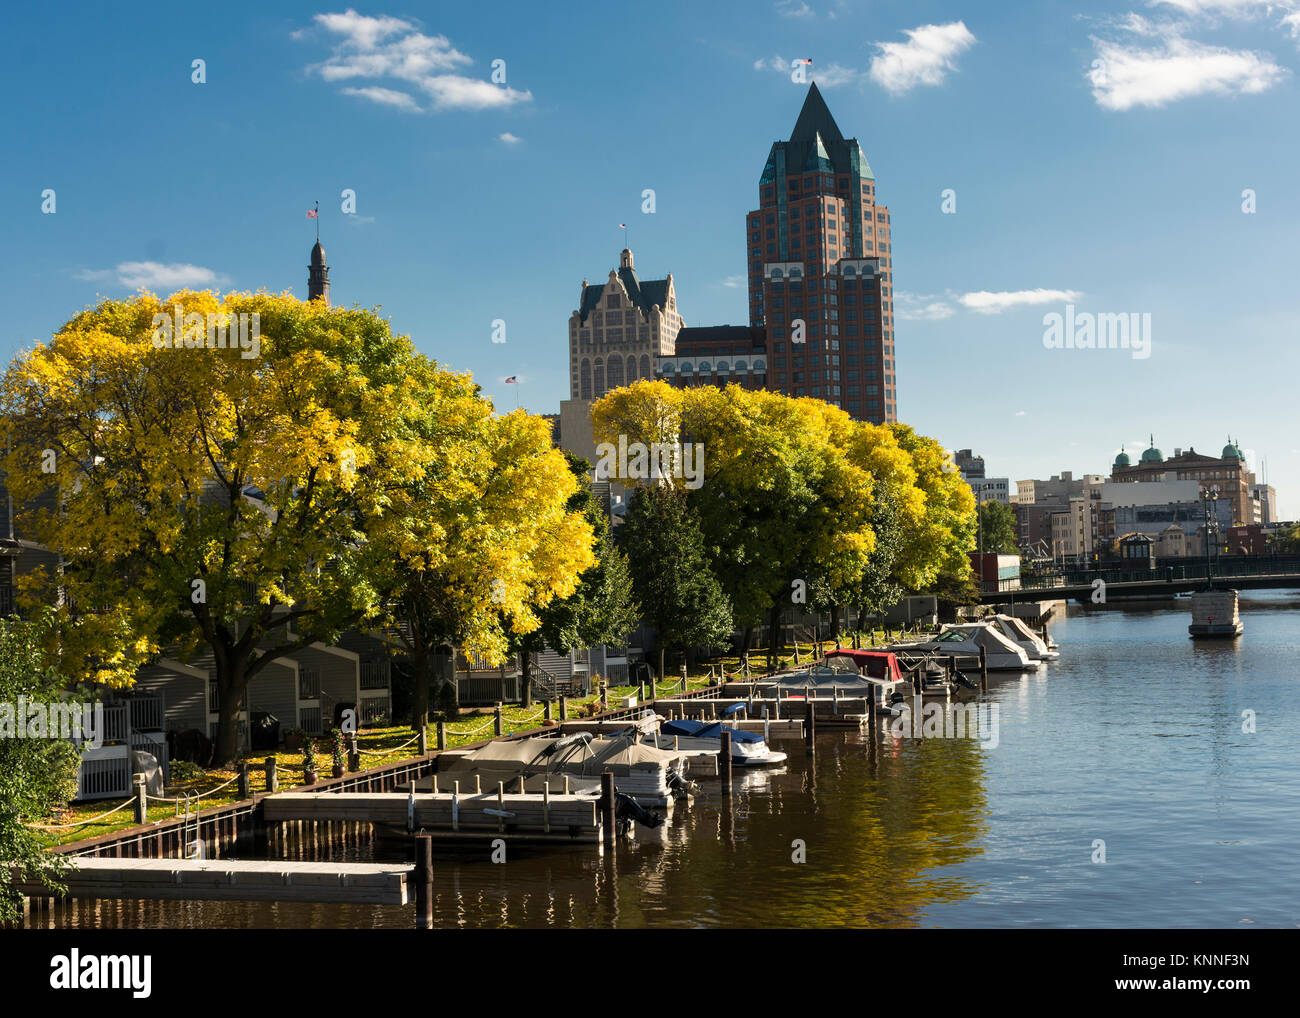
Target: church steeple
[(318, 278)]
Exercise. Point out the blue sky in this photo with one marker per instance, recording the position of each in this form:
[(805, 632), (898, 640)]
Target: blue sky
[(1098, 155)]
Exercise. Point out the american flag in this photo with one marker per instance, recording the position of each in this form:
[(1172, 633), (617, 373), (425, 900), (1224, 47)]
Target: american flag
[(622, 226), (312, 214), (806, 60), (513, 379)]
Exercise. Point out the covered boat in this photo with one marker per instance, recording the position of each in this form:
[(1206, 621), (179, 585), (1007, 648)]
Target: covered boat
[(645, 772), (748, 749), (1018, 633), (965, 640)]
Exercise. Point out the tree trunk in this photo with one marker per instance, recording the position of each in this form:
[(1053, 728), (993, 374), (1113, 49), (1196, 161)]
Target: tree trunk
[(774, 638), (421, 666), (747, 637), (230, 687), (525, 679), (661, 660)]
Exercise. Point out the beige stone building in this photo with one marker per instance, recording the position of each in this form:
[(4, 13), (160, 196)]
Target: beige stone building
[(619, 330)]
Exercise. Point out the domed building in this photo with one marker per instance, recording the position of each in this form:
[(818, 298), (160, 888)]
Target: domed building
[(1227, 472)]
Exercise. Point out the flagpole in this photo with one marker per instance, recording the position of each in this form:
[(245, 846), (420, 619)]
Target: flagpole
[(317, 217)]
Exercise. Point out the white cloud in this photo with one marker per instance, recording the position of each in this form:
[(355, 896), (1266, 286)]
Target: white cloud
[(1232, 8), (509, 139), (386, 97), (1292, 23), (1022, 413), (914, 307), (925, 59), (987, 302), (156, 275), (790, 9), (1176, 68), (734, 282), (375, 48), (830, 76)]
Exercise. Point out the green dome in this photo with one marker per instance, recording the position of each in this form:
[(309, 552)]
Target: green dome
[(1122, 459), (1231, 452), (1153, 455)]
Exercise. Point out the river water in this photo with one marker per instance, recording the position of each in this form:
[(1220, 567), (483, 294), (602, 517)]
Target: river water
[(1124, 788)]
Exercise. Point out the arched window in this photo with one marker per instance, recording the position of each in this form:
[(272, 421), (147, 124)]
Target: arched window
[(600, 378), (850, 270), (778, 274), (615, 372), (705, 367), (668, 368), (796, 273), (723, 367), (687, 366), (586, 379), (645, 367), (631, 370), (760, 364), (741, 366)]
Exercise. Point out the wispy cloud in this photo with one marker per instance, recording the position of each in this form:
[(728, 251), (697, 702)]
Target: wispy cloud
[(1172, 67), (915, 307), (386, 97), (829, 76), (987, 302), (509, 139), (793, 9), (734, 282), (925, 59), (382, 48), (156, 275)]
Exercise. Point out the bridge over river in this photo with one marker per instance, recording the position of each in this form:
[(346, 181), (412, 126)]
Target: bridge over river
[(1240, 572)]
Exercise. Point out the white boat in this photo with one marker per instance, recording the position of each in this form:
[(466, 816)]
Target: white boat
[(1017, 632), (965, 640)]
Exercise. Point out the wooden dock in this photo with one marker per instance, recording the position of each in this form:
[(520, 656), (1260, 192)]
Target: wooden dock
[(448, 814), (230, 880)]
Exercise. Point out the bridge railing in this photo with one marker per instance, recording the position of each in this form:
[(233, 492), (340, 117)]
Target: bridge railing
[(1190, 569)]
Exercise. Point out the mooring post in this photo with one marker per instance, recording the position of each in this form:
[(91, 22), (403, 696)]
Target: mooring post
[(916, 678), (141, 800), (607, 807), (442, 735), (640, 691), (422, 740), (767, 727), (810, 728), (496, 720), (604, 693), (546, 710), (354, 753), (724, 763), (564, 709), (423, 882), (245, 786), (872, 712), (952, 666), (984, 670), (683, 678), (272, 778)]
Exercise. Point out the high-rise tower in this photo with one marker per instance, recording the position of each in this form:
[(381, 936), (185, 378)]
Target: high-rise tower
[(820, 274), (318, 277)]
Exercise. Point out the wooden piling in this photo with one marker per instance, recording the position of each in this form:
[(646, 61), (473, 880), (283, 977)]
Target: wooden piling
[(607, 807), (546, 710), (272, 778), (724, 762), (564, 709), (984, 670), (442, 735), (141, 800), (423, 882), (422, 740), (810, 728), (496, 720), (245, 784)]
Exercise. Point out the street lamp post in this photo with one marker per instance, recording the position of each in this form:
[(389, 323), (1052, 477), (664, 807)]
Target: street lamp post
[(1210, 502)]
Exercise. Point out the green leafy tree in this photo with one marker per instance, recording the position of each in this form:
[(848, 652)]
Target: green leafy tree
[(1288, 540), (37, 776), (670, 571), (997, 529)]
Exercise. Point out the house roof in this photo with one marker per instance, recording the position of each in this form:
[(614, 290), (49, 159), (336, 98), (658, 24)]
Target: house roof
[(644, 295)]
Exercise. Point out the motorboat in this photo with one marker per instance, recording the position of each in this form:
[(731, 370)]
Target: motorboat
[(748, 749), (965, 640), (1017, 632)]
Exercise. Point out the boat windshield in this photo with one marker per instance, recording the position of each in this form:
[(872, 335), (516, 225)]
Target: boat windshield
[(952, 636)]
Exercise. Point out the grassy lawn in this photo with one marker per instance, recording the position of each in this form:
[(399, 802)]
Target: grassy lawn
[(381, 746)]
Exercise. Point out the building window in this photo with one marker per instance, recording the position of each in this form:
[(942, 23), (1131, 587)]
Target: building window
[(586, 379)]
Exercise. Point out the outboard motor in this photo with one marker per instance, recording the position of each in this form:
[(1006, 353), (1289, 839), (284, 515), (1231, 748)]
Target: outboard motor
[(627, 810), (679, 785)]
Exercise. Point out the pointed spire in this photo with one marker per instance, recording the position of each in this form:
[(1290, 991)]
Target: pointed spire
[(814, 119)]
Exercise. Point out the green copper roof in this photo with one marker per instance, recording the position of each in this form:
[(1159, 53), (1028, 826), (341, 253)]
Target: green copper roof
[(817, 145), (1122, 459), (1231, 451)]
